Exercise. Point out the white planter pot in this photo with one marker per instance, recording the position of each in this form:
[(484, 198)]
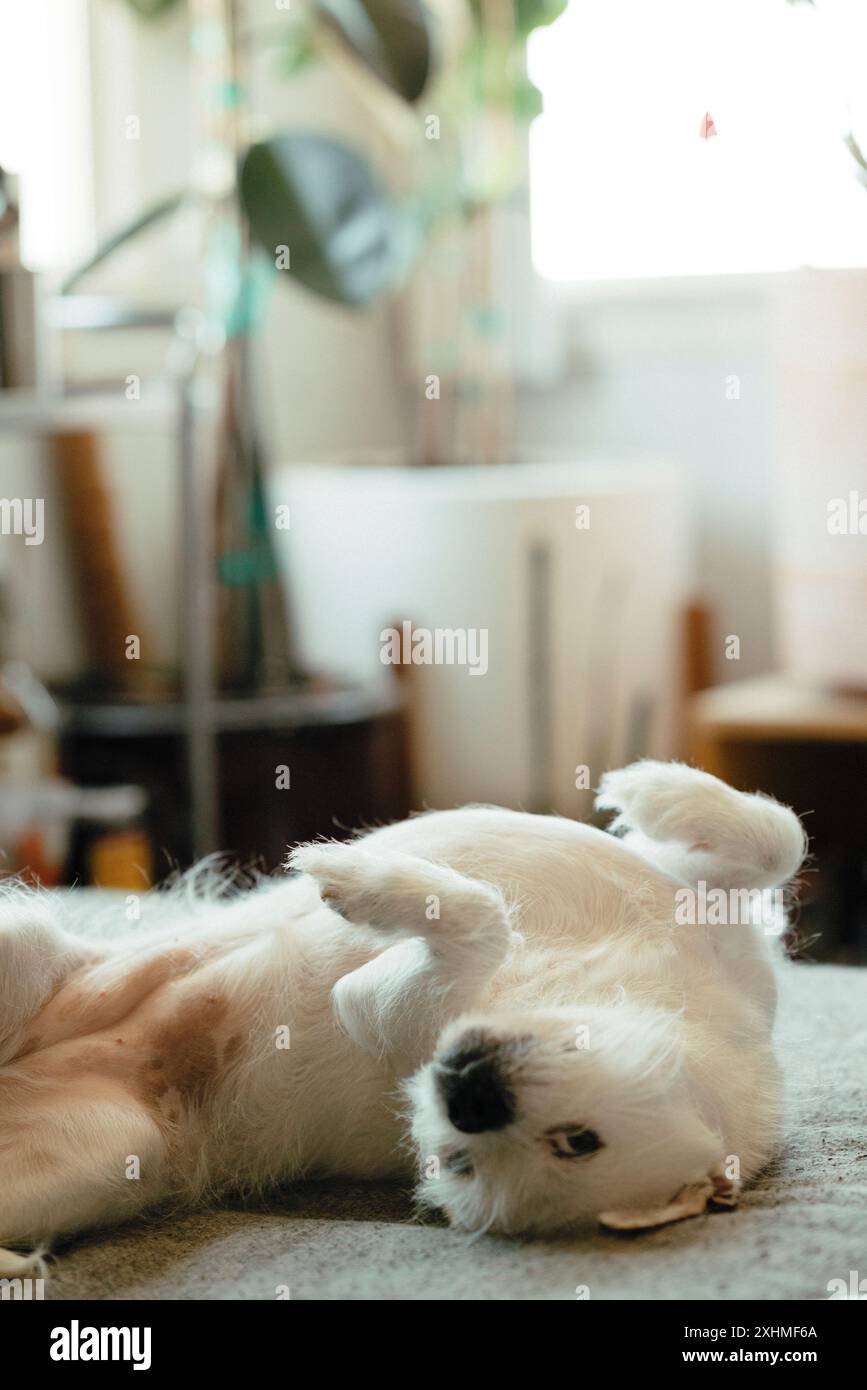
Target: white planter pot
[(581, 624)]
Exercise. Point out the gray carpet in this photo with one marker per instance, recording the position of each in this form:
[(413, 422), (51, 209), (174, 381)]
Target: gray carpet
[(803, 1224)]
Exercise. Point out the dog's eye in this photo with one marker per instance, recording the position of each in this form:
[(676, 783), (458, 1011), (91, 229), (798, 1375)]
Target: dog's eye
[(574, 1143)]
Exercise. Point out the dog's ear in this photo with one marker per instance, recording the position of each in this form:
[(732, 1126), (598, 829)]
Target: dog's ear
[(690, 1201), (717, 1191)]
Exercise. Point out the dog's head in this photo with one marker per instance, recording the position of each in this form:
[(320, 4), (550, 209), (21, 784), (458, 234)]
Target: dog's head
[(540, 1119)]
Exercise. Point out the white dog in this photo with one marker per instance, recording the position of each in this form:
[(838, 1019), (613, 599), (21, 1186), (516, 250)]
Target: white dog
[(566, 1050)]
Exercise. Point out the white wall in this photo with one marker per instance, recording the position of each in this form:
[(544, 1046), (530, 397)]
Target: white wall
[(650, 373)]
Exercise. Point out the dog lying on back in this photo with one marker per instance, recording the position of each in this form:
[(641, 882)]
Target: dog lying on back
[(516, 995)]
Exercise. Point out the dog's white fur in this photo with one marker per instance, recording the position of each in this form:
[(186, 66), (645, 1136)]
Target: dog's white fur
[(156, 1067)]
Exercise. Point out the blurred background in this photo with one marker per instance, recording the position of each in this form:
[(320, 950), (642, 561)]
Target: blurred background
[(409, 404)]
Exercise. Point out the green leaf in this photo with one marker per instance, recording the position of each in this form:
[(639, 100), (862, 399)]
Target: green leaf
[(297, 54), (857, 154), (392, 37), (527, 100), (152, 9), (323, 202), (529, 14), (158, 212)]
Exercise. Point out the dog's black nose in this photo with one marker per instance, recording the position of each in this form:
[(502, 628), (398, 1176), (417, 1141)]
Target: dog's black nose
[(475, 1093)]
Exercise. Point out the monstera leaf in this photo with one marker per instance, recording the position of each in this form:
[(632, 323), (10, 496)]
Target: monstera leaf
[(391, 37), (320, 200)]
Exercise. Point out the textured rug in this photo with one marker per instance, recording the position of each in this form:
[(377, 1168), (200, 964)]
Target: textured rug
[(801, 1225)]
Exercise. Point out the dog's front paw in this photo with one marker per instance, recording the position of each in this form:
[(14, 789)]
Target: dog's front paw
[(345, 875), (398, 893)]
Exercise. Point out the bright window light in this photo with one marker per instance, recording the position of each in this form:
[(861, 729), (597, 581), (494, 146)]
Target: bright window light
[(622, 182), (45, 125)]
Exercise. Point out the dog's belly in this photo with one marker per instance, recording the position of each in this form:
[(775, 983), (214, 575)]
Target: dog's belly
[(160, 1026), (568, 875), (191, 1035)]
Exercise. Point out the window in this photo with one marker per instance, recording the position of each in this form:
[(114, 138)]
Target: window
[(624, 185), (45, 125)]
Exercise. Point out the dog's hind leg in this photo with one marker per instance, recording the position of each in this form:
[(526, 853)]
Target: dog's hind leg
[(68, 1164), (695, 828), (455, 934), (36, 956)]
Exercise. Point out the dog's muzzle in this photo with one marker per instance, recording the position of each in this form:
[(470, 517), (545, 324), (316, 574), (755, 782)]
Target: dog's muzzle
[(474, 1090)]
